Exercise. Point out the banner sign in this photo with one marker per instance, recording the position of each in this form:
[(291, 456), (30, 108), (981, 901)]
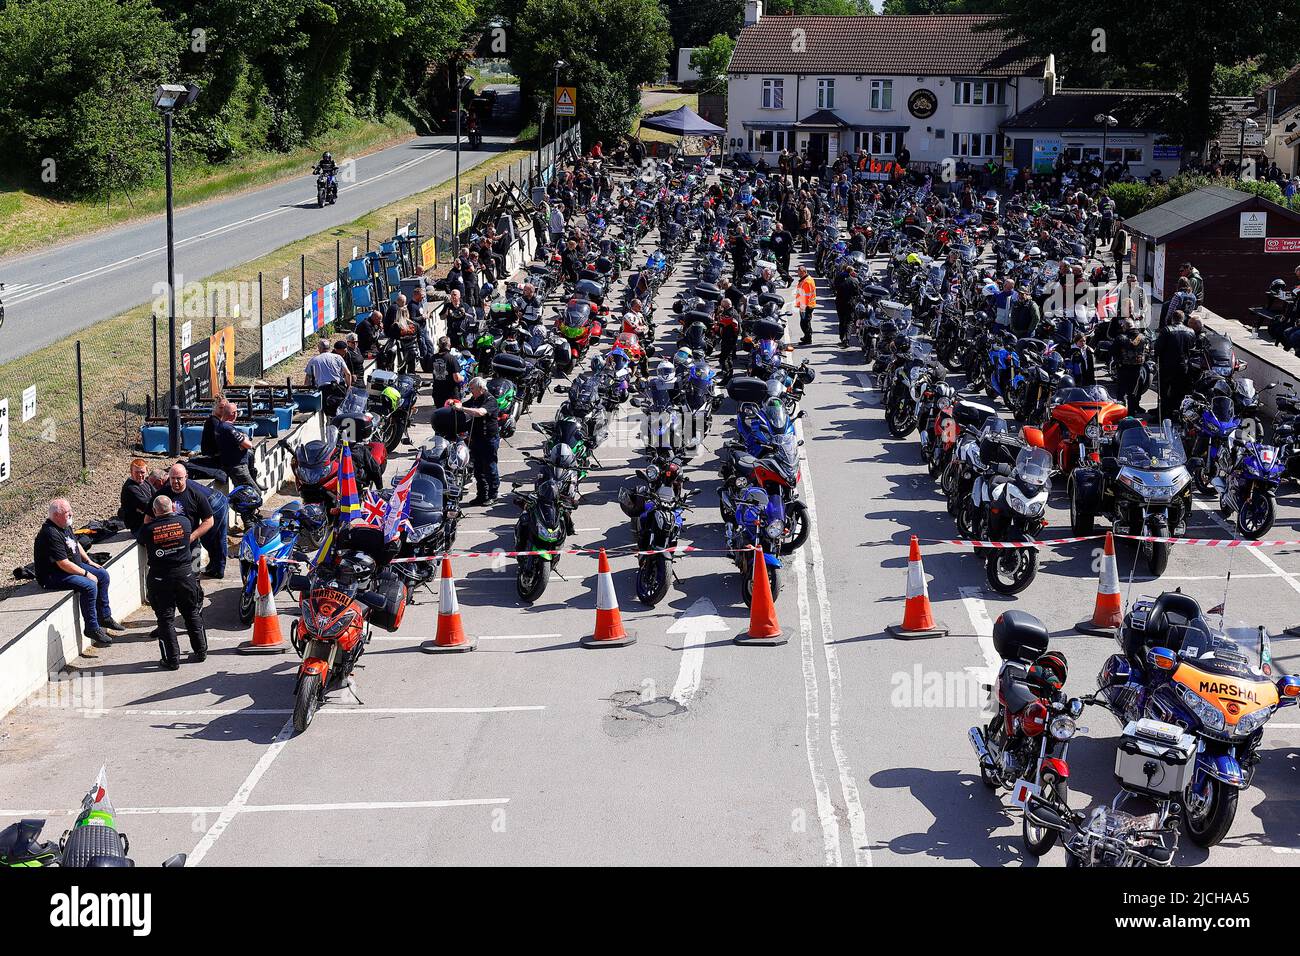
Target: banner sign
[(207, 367), (1278, 244), (429, 252), (281, 339), (319, 309)]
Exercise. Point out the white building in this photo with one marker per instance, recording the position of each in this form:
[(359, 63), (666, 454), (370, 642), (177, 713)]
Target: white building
[(931, 85)]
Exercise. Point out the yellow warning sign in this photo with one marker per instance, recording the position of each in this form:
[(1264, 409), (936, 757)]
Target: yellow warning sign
[(566, 101)]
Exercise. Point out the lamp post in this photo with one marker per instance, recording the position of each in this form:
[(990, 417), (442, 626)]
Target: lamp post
[(455, 206), (1106, 121), (559, 65), (167, 99)]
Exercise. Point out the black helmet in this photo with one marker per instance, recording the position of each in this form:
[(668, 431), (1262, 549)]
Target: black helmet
[(435, 450), (1277, 287), (327, 157)]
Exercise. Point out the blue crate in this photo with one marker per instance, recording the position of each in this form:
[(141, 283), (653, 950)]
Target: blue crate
[(153, 439), (307, 399), (191, 437), (266, 423), (284, 413)]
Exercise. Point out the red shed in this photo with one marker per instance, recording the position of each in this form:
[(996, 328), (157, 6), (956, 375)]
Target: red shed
[(1238, 241)]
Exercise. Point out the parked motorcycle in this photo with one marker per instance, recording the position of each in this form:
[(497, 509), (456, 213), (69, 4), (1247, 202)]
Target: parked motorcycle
[(275, 537)]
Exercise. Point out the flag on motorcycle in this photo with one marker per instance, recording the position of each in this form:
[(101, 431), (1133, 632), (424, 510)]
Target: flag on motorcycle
[(373, 510), (349, 500), (399, 508)]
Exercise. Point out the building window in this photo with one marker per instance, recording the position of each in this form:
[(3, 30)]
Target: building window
[(977, 93), (882, 94), (1083, 154), (773, 94), (974, 145), (768, 140), (876, 144), (826, 94)]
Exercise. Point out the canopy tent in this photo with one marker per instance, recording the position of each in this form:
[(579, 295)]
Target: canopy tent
[(683, 121)]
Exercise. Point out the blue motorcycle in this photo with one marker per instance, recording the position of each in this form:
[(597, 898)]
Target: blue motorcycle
[(1249, 486), (1217, 684), (1004, 379), (751, 520), (1208, 427), (274, 537)]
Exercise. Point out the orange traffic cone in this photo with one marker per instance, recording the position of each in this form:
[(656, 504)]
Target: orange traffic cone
[(918, 619), (1108, 612), (763, 625), (267, 638), (451, 633), (609, 623)]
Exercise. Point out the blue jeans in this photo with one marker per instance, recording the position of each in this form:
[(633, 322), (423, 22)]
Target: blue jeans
[(91, 591), (483, 452), (214, 542)]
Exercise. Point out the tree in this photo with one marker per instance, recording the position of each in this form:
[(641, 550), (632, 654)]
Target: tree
[(915, 7), (693, 22), (823, 8), (711, 62), (78, 90), (1175, 45)]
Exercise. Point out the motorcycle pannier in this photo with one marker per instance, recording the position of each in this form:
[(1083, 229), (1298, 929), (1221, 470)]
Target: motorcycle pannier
[(1019, 636), (708, 291), (510, 366), (746, 388), (767, 329), (389, 618), (1155, 758)]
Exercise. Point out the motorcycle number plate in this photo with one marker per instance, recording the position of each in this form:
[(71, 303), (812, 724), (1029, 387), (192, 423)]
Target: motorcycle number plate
[(1022, 791)]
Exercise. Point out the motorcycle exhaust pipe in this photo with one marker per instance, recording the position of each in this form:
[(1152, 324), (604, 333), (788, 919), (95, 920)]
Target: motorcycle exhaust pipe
[(981, 749)]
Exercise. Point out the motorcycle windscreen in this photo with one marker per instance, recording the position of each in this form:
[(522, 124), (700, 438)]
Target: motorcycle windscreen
[(1151, 447)]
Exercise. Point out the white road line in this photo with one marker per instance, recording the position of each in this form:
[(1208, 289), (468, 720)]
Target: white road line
[(1214, 577), (694, 625), (518, 637), (1259, 554), (240, 799), (978, 613), (275, 808), (332, 710), (852, 799), (812, 726)]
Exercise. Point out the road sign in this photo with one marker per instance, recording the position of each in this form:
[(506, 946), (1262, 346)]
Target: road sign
[(29, 403), (566, 101), (4, 439), (464, 214)]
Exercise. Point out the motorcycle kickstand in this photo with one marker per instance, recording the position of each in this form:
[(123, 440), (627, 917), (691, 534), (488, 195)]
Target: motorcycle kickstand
[(351, 685)]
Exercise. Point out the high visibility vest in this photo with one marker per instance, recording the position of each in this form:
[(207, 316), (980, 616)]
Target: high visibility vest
[(805, 295)]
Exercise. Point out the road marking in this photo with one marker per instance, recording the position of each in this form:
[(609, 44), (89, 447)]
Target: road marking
[(275, 808), (280, 711), (812, 726), (852, 799), (978, 613), (518, 637), (694, 624), (240, 799), (1259, 554)]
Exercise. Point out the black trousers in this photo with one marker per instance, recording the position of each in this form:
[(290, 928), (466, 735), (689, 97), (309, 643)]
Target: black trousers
[(167, 592), (844, 312), (805, 323), (1128, 382)]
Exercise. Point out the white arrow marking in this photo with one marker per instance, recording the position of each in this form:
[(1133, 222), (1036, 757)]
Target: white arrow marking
[(694, 623)]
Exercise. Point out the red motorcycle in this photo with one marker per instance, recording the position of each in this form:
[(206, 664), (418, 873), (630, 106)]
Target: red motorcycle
[(1076, 421), (340, 600), (316, 468), (580, 324)]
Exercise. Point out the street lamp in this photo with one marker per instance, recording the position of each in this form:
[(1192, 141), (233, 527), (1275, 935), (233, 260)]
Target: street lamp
[(1106, 121), (559, 65), (167, 99)]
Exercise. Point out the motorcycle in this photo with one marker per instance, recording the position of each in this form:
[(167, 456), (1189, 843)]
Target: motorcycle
[(1141, 485), (1025, 744), (327, 189), (275, 537), (1216, 683), (316, 468), (1208, 427), (1012, 504), (1076, 420), (94, 840), (542, 528), (657, 503), (1252, 472), (752, 520)]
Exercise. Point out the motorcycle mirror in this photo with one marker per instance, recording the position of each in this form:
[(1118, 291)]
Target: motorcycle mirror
[(299, 582), (1162, 658), (800, 415), (177, 859), (562, 389)]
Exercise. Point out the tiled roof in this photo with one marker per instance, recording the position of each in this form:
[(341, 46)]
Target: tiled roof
[(1075, 109), (933, 45)]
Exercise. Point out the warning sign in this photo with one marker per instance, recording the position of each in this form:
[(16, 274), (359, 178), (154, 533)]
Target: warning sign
[(566, 101), (1253, 225)]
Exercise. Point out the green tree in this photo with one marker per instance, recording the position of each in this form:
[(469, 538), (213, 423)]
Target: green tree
[(914, 7), (823, 8), (711, 62), (693, 22), (78, 90)]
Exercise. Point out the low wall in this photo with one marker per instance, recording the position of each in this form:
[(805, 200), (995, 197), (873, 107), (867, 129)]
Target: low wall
[(40, 631), (1265, 362)]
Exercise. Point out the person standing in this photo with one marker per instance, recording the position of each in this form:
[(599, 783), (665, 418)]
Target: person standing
[(170, 582), (455, 318), (189, 503), (234, 448), (805, 300), (1119, 247), (445, 369), (1132, 345), (484, 441), (62, 564), (328, 372), (782, 244), (1195, 282), (136, 497), (846, 290), (1172, 347), (556, 226)]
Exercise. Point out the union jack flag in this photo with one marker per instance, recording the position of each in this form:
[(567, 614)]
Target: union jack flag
[(397, 515), (373, 510)]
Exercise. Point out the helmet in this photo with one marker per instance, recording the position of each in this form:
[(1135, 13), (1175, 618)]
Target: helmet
[(682, 357), (1277, 287), (631, 495), (597, 363), (664, 369), (327, 157), (561, 456), (913, 259), (1049, 671), (435, 449), (245, 500), (989, 288)]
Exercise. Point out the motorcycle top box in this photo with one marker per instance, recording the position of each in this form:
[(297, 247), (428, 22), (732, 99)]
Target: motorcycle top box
[(746, 388), (770, 298), (708, 291), (767, 329), (1155, 758), (510, 366), (1019, 636)]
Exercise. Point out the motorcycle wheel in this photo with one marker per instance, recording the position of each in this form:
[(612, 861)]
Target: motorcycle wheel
[(796, 517), (652, 579), (1081, 522), (747, 584), (1038, 840), (1255, 516), (1158, 556), (1020, 565), (1202, 475), (898, 421), (247, 605), (1212, 825), (966, 519), (530, 582), (304, 707)]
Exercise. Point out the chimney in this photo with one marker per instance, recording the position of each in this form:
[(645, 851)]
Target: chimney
[(1049, 76), (753, 11)]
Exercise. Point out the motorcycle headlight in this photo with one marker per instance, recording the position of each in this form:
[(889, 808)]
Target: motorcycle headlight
[(340, 625), (1062, 728), (773, 529), (1024, 505), (246, 551), (1092, 431), (1205, 712), (1252, 722)]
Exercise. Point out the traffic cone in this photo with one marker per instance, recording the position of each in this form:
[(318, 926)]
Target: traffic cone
[(267, 638), (763, 625), (1108, 611), (609, 624), (451, 633), (918, 619)]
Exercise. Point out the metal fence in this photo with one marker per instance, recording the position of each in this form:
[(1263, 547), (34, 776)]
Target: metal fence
[(91, 401)]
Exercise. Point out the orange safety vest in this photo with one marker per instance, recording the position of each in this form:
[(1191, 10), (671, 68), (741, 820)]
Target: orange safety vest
[(805, 295)]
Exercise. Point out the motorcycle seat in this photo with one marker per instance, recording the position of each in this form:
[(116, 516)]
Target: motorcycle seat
[(1015, 691)]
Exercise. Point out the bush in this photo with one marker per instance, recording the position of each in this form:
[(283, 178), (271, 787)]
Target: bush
[(1130, 198)]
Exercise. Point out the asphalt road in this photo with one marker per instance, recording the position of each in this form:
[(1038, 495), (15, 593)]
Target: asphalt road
[(55, 292), (842, 747)]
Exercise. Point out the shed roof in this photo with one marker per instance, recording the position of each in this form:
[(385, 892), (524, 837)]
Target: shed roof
[(1199, 208)]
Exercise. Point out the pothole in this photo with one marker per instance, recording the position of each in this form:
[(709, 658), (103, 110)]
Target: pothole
[(656, 709)]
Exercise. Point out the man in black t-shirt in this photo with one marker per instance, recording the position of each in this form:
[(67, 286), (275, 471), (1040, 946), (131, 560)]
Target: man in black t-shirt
[(191, 504), (170, 582), (234, 448), (63, 565), (445, 371), (137, 497), (483, 441)]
